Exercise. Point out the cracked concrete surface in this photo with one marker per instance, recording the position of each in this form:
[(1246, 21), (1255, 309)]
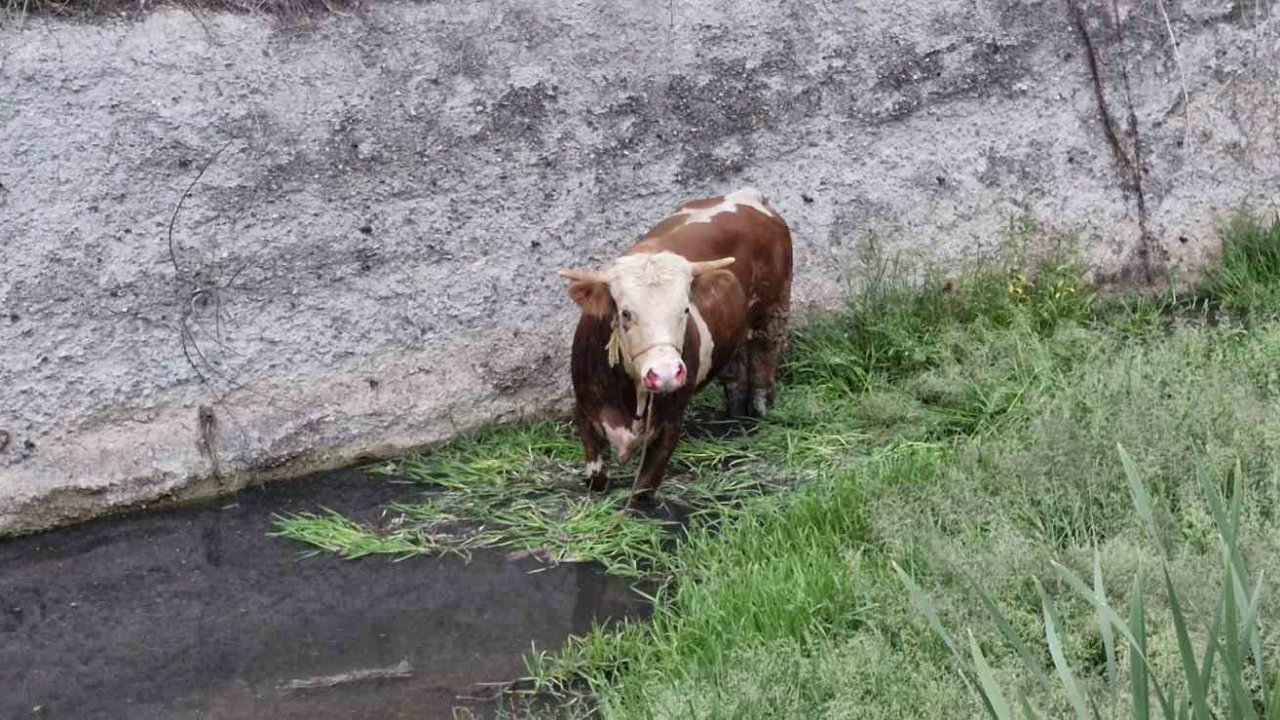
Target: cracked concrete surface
[(366, 263)]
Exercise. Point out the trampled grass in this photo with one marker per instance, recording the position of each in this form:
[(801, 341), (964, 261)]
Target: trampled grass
[(965, 433), (520, 490)]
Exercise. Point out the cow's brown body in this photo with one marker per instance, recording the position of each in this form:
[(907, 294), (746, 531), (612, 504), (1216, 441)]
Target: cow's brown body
[(745, 308)]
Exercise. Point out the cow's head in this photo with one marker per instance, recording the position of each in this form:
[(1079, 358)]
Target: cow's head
[(647, 296)]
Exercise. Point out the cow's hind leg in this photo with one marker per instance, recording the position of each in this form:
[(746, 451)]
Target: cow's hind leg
[(737, 386), (767, 345), (595, 448)]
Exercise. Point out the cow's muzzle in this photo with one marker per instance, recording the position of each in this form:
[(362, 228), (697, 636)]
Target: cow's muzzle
[(663, 371)]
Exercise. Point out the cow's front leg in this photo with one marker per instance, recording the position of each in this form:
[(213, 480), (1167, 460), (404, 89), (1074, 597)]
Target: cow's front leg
[(661, 443), (595, 448)]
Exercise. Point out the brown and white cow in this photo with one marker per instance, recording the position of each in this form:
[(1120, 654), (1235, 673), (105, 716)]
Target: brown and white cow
[(705, 294)]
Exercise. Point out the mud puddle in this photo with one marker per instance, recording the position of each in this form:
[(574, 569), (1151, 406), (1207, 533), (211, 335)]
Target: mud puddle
[(196, 613)]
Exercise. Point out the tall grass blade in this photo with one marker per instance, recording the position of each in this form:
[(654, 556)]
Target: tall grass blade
[(1074, 693), (1227, 522), (1226, 525), (1231, 639), (1237, 493), (1141, 500), (1120, 626), (990, 688), (1196, 692), (924, 605), (1232, 660), (1211, 646), (1029, 660), (1249, 623), (1273, 703), (1027, 712), (1138, 651), (1251, 637), (1104, 625)]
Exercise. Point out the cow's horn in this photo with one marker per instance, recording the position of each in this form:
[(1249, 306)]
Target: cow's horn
[(707, 266), (583, 276)]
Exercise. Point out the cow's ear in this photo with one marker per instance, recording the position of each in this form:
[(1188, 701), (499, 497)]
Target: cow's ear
[(593, 297), (718, 287)]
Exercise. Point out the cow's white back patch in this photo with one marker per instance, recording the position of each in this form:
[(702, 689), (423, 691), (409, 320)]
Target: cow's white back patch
[(742, 197)]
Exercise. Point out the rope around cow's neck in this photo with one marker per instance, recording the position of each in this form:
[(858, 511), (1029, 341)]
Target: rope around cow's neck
[(643, 397), (644, 439), (615, 349)]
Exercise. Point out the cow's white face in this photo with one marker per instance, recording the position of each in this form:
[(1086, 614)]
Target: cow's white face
[(651, 293), (651, 299)]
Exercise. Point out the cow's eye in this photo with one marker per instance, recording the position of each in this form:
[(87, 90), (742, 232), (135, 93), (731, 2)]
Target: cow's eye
[(626, 316)]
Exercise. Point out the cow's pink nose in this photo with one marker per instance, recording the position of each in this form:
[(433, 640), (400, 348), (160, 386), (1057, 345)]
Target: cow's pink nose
[(671, 379)]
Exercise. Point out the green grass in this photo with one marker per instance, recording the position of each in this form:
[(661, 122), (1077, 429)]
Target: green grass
[(520, 490), (1243, 279), (966, 433), (1226, 679), (515, 490)]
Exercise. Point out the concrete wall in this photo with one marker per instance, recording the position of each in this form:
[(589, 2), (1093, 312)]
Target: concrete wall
[(366, 264)]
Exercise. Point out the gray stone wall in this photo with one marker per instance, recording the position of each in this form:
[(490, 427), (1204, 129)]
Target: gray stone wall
[(373, 205)]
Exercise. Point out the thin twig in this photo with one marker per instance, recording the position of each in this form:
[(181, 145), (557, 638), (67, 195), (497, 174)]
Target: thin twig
[(216, 340), (1182, 75), (178, 208), (182, 333), (239, 270), (217, 317), (199, 353), (187, 334)]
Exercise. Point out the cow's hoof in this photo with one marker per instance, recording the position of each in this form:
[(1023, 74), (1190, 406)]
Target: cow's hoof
[(598, 483), (641, 503), (761, 403)]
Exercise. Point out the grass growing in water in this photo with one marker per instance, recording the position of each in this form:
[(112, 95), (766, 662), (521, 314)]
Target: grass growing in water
[(521, 490), (965, 433)]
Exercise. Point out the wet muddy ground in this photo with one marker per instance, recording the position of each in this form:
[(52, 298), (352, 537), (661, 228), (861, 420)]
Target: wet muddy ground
[(197, 613)]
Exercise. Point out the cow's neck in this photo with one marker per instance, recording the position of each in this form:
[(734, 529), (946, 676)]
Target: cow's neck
[(617, 389)]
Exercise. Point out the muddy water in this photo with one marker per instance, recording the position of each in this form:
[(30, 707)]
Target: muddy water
[(196, 613)]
